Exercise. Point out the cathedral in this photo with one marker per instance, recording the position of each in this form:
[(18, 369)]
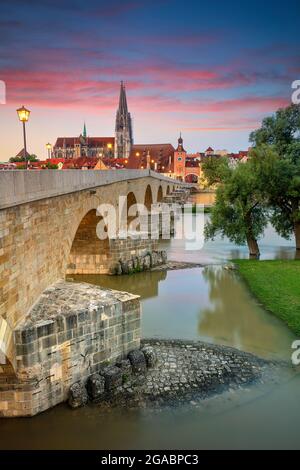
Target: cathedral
[(121, 152), (123, 129), (100, 147)]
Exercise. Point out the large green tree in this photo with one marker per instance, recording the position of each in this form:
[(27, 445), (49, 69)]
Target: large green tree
[(239, 213), (276, 155), (31, 158), (215, 169)]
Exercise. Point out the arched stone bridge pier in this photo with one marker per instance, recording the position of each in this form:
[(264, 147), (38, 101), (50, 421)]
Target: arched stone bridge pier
[(47, 229)]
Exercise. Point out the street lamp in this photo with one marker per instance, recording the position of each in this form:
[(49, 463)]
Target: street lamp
[(23, 114), (48, 147)]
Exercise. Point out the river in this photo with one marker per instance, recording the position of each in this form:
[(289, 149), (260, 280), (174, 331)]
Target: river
[(210, 304)]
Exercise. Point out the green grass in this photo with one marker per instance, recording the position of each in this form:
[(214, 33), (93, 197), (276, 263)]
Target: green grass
[(277, 286)]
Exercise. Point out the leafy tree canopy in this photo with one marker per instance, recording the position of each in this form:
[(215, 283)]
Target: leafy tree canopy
[(31, 158), (277, 155), (238, 212), (215, 169), (280, 130)]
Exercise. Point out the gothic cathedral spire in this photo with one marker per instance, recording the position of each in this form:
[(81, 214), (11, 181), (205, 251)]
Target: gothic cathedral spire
[(123, 130)]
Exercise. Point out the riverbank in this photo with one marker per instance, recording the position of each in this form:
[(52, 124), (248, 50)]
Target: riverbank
[(276, 285)]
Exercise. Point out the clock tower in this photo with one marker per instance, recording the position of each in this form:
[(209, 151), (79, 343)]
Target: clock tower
[(179, 160)]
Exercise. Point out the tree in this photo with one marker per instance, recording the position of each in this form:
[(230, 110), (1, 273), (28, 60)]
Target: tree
[(239, 212), (215, 169), (279, 183), (281, 130), (277, 159), (31, 158), (51, 166)]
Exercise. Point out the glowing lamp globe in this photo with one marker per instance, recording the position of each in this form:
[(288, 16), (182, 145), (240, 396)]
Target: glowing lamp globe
[(23, 114)]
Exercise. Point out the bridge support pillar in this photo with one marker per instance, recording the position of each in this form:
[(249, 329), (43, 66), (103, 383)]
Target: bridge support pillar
[(72, 330)]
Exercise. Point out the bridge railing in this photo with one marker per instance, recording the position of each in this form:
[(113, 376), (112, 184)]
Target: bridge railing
[(21, 186)]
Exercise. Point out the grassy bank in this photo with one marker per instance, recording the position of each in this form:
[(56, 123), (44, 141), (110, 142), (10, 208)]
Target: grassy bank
[(277, 286)]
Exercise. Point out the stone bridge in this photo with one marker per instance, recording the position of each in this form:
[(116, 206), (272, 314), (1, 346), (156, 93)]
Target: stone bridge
[(48, 225)]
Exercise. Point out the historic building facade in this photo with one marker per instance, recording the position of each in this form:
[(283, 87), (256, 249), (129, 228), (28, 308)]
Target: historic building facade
[(119, 152), (83, 146), (164, 158)]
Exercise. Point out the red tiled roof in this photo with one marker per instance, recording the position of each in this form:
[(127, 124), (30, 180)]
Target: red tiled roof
[(160, 153), (55, 161), (91, 141), (115, 162), (68, 165), (7, 166), (87, 162), (193, 155)]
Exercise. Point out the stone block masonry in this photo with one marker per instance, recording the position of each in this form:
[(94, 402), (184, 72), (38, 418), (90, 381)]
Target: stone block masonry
[(48, 224), (71, 332), (47, 219), (110, 253)]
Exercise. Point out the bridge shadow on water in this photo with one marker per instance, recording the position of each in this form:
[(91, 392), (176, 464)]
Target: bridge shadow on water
[(145, 284)]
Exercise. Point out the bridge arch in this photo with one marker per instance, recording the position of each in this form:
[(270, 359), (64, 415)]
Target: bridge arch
[(131, 201), (148, 200), (191, 178), (159, 194), (88, 252)]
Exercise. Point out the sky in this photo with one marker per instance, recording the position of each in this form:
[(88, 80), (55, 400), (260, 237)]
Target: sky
[(210, 69)]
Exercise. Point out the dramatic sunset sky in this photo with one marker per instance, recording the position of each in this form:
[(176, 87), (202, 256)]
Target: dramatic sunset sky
[(211, 69)]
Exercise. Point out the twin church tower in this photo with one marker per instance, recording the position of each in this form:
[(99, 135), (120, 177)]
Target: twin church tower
[(123, 129)]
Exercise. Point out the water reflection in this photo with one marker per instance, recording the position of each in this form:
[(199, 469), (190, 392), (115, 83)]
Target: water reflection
[(210, 304), (144, 284), (271, 245), (203, 198), (253, 420), (234, 317)]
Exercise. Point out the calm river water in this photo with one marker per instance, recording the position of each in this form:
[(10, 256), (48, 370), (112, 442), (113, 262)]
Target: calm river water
[(211, 304)]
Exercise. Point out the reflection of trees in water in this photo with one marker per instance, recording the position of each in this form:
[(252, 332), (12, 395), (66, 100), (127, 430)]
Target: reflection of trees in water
[(143, 284), (287, 253), (233, 317)]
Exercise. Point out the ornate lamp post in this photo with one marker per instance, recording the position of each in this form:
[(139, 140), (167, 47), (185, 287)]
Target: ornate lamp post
[(23, 114), (48, 147)]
